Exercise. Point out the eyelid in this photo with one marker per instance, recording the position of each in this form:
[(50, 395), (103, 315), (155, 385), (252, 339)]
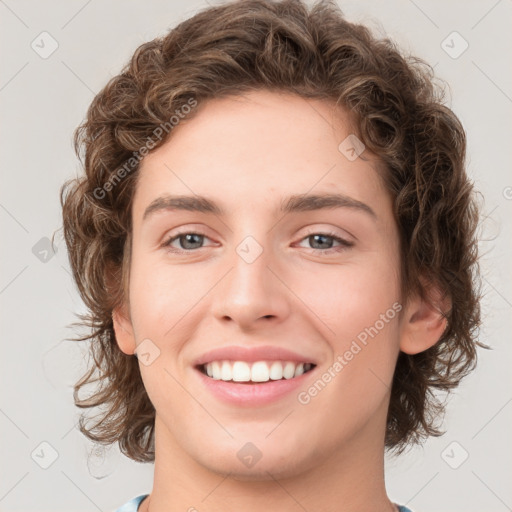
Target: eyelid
[(185, 229), (347, 237)]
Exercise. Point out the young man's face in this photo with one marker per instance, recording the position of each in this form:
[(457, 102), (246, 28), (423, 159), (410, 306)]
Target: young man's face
[(257, 276)]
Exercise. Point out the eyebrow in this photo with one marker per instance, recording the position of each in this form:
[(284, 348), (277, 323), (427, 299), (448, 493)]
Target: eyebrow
[(293, 204)]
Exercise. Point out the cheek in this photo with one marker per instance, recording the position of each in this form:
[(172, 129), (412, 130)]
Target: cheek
[(160, 299), (350, 298), (362, 313), (162, 294), (360, 304)]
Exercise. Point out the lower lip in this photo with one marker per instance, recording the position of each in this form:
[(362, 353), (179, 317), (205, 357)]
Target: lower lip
[(250, 395)]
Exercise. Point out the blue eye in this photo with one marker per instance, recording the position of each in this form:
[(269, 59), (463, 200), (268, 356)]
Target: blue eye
[(323, 239), (190, 241), (186, 240)]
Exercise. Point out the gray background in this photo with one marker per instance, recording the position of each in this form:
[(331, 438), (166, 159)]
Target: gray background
[(42, 100)]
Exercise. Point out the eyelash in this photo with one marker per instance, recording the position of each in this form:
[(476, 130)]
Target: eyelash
[(344, 243)]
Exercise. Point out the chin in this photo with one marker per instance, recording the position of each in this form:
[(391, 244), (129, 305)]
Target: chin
[(268, 467)]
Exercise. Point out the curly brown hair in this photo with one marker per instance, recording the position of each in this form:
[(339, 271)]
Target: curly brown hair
[(315, 53)]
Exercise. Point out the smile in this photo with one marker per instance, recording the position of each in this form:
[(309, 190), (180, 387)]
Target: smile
[(256, 372), (247, 385)]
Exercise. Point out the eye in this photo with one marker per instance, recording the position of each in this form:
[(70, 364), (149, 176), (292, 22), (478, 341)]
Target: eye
[(326, 240), (188, 241)]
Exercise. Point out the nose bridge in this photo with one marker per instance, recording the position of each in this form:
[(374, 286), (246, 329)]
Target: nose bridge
[(251, 289), (250, 274)]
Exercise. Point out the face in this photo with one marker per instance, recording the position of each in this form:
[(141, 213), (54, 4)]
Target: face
[(318, 278)]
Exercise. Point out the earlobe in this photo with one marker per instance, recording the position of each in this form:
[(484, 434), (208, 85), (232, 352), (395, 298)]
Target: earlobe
[(424, 322), (124, 331)]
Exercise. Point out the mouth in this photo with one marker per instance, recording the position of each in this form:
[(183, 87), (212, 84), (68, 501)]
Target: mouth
[(258, 372)]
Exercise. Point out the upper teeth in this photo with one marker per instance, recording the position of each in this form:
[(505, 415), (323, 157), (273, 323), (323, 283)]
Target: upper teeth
[(260, 371)]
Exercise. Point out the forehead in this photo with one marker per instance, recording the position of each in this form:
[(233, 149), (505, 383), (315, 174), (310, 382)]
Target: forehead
[(255, 148)]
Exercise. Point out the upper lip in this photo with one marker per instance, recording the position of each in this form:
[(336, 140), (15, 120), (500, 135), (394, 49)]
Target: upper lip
[(264, 353)]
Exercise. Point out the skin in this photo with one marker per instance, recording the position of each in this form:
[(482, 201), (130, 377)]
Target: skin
[(248, 153)]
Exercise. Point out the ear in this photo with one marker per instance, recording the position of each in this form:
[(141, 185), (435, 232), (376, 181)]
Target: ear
[(124, 330), (424, 322)]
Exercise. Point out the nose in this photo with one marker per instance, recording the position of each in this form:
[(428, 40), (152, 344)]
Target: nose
[(252, 292)]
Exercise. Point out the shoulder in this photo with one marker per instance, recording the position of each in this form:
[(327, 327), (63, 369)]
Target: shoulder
[(133, 504), (402, 508)]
